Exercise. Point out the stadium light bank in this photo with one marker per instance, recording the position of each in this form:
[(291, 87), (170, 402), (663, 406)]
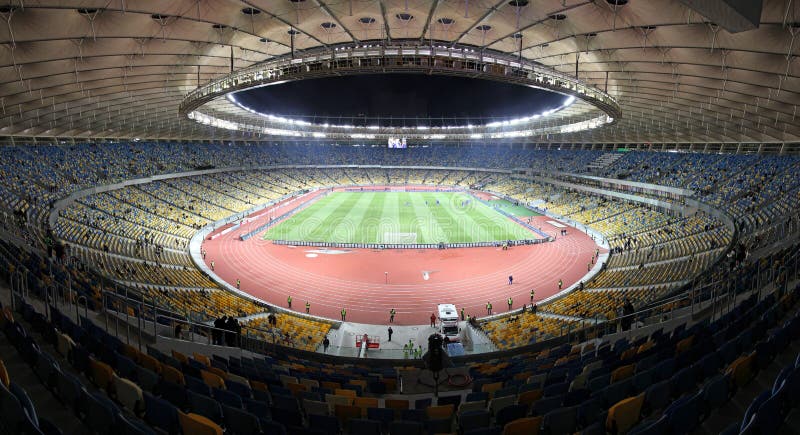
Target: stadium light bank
[(584, 107)]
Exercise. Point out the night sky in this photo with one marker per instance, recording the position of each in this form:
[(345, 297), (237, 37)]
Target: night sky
[(400, 96)]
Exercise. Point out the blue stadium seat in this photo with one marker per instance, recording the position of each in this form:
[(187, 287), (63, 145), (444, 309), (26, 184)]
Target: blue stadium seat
[(125, 367), (239, 422), (384, 415), (273, 427), (324, 424), (422, 403), (491, 430), (716, 391), (228, 398), (651, 427), (69, 389), (256, 407), (146, 379), (657, 396), (174, 393), (14, 418), (545, 405), (25, 403), (477, 396), (412, 415), (288, 403), (510, 413), (287, 417), (770, 415), (197, 385), (129, 425), (262, 396), (474, 419), (403, 427), (454, 400), (99, 412), (362, 426), (562, 420), (683, 414), (238, 388), (46, 370), (589, 411), (205, 406)]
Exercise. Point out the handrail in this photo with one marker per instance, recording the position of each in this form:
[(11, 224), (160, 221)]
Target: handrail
[(85, 309), (574, 330)]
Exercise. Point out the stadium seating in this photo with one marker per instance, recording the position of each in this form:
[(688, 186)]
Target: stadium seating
[(137, 237)]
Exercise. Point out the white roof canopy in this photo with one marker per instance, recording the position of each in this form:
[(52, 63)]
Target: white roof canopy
[(119, 68)]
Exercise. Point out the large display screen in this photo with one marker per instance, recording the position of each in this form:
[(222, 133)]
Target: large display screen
[(397, 142)]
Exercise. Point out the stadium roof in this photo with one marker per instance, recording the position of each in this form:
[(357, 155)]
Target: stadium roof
[(120, 68)]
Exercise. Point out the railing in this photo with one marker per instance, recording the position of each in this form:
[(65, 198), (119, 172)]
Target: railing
[(710, 300), (495, 243)]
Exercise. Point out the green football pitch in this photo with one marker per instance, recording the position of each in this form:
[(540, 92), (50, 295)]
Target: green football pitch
[(398, 217)]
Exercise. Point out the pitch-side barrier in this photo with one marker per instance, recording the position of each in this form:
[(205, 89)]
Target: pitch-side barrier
[(334, 245)]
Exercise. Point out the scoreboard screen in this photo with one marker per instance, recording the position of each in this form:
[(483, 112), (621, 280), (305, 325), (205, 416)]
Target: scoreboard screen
[(397, 142)]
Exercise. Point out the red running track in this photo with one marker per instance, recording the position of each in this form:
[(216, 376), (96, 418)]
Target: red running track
[(356, 279)]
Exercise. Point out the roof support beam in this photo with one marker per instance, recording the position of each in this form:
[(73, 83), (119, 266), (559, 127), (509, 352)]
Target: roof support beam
[(330, 13), (434, 5), (535, 23), (385, 21), (488, 14), (275, 17)]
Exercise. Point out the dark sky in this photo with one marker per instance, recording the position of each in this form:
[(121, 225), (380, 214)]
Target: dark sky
[(400, 96)]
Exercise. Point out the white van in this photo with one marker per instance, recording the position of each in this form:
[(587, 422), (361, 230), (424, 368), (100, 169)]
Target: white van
[(448, 321)]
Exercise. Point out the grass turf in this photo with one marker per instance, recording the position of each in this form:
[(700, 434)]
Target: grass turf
[(516, 210), (398, 217)]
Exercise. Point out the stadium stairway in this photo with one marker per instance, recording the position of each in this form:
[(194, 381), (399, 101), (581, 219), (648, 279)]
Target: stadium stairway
[(604, 161)]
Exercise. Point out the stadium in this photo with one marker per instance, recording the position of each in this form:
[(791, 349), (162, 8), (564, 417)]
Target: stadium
[(399, 217)]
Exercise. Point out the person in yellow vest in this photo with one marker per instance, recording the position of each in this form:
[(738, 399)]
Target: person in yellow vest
[(488, 308), (392, 312), (510, 303), (289, 301), (462, 313), (560, 284), (532, 293), (238, 284), (344, 314), (212, 265), (308, 307)]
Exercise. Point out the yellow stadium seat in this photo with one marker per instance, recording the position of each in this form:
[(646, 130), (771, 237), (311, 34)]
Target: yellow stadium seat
[(172, 374), (101, 373), (345, 392), (4, 379), (212, 379), (194, 424), (624, 414), (523, 426), (622, 373)]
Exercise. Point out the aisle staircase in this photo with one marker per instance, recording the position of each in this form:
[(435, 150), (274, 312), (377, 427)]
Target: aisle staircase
[(604, 161)]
